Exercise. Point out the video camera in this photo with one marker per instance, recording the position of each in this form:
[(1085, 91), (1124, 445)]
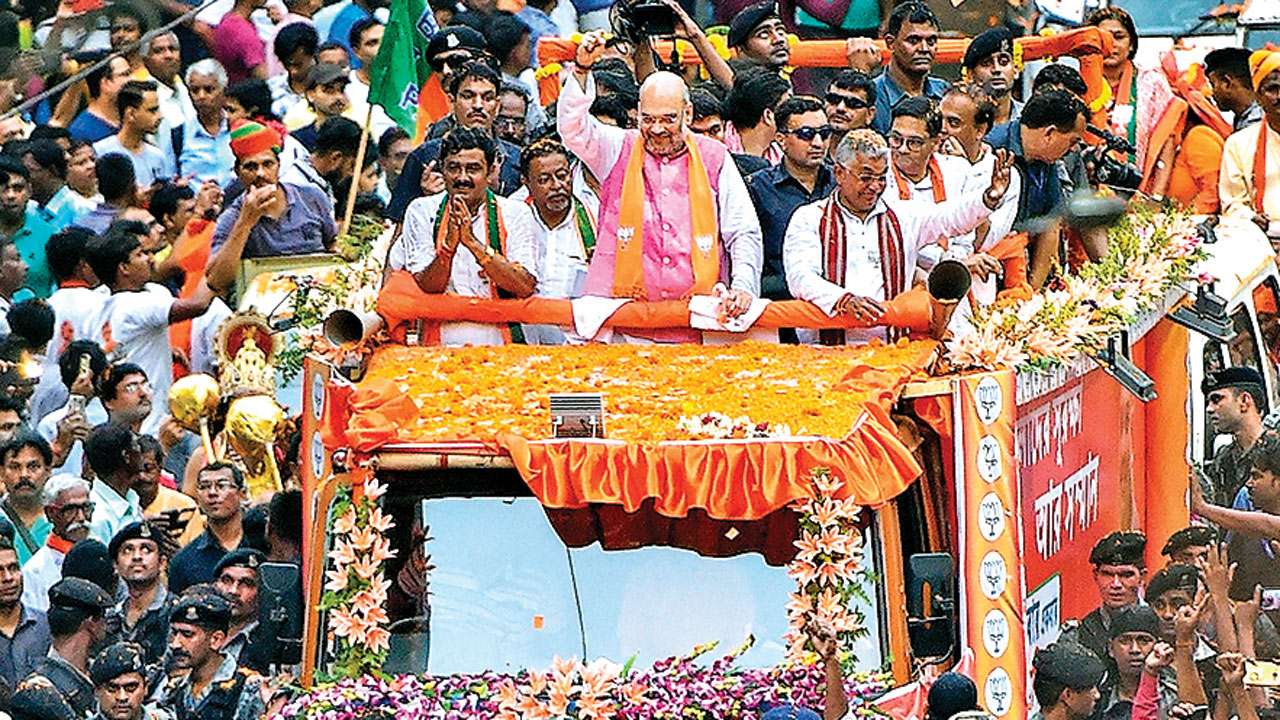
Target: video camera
[(1106, 170), (636, 20)]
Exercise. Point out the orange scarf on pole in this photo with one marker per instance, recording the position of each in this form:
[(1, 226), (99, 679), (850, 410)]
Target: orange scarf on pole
[(628, 268), (934, 171)]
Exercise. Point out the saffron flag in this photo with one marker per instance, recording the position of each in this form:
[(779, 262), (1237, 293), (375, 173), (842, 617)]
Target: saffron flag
[(400, 71)]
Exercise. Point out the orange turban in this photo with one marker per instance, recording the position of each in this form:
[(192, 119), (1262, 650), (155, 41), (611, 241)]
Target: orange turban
[(1261, 64), (250, 138)]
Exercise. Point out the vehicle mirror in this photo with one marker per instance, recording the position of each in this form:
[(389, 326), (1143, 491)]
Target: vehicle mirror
[(280, 608), (931, 604)]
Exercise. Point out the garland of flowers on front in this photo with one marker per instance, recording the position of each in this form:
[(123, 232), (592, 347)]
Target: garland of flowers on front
[(1148, 253), (829, 577)]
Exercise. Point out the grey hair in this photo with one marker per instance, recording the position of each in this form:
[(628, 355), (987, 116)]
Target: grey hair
[(146, 45), (867, 143), (208, 68), (60, 483)]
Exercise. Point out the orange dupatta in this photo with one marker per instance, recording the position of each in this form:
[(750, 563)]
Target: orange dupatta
[(934, 171), (628, 267), (1260, 169)]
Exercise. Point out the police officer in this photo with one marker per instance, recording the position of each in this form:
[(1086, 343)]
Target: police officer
[(1235, 403), (1190, 545), (37, 699), (1066, 681), (119, 675), (238, 580), (142, 617), (214, 688), (1118, 569), (77, 621)]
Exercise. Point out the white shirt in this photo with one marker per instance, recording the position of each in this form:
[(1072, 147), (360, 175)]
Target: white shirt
[(138, 322), (921, 223), (1000, 222), (75, 309), (41, 572), (562, 255), (283, 98), (358, 94), (416, 249), (600, 147), (94, 414), (149, 163), (111, 512), (957, 179)]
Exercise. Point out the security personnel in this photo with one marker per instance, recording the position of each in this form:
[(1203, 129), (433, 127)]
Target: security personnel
[(77, 621), (119, 675), (1235, 401), (214, 688), (249, 641), (1066, 681), (142, 617), (37, 699), (1190, 545), (1118, 570)]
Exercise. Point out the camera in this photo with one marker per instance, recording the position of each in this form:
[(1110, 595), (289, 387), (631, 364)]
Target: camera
[(1105, 169), (640, 19)]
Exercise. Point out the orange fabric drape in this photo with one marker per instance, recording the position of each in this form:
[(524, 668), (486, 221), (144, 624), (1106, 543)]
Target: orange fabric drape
[(401, 300), (433, 104), (1011, 251), (191, 253), (378, 410)]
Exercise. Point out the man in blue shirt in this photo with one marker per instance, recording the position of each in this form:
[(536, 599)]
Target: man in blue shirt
[(1052, 123), (801, 178), (22, 223), (47, 167), (100, 119), (200, 146), (912, 38), (537, 15), (220, 493)]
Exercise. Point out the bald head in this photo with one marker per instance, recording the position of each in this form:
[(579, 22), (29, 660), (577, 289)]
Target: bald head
[(664, 111)]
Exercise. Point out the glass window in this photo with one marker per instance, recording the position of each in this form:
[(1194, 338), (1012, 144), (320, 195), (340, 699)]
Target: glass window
[(1179, 17), (1243, 348), (506, 594), (1212, 362)]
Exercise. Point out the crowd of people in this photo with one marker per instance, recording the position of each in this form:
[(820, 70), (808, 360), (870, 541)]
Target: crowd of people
[(131, 193)]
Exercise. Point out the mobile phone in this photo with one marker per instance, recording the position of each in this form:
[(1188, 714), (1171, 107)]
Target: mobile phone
[(1261, 673), (75, 405)]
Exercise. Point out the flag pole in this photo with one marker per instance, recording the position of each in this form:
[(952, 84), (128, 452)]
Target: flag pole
[(356, 173)]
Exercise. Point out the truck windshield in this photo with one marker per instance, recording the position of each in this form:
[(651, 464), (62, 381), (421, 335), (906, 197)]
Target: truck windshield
[(1164, 18), (505, 594)]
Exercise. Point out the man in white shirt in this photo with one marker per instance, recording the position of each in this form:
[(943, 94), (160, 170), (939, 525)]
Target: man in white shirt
[(75, 306), (112, 452), (134, 322), (366, 38), (163, 57), (80, 367), (69, 509), (852, 251), (495, 257), (139, 108), (920, 174), (564, 226)]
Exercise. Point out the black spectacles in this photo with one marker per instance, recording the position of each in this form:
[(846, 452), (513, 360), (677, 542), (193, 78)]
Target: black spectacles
[(807, 134), (850, 101), (913, 144), (454, 61)]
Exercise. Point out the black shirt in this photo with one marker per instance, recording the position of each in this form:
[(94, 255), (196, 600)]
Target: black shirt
[(777, 195), (195, 563), (1041, 197)]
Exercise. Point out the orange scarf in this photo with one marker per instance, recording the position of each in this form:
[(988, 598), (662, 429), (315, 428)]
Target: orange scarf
[(628, 268), (933, 171), (1260, 169)]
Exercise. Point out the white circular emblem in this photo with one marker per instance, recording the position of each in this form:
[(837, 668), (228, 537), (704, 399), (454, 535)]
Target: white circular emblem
[(991, 516), (995, 633), (317, 455), (317, 396), (994, 575), (998, 692), (990, 400), (990, 460)]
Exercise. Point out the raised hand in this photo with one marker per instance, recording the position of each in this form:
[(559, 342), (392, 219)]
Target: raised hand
[(589, 50), (1217, 574), (1187, 619), (1000, 177), (1160, 657), (863, 55)]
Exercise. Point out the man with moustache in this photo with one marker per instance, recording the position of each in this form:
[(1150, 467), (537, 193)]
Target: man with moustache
[(24, 631), (214, 687), (760, 37), (671, 205), (564, 229), (26, 460), (989, 62), (251, 642), (142, 616), (451, 242), (77, 622), (119, 675), (850, 104), (69, 510), (912, 37)]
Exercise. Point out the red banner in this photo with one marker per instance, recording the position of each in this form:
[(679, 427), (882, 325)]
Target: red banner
[(991, 586)]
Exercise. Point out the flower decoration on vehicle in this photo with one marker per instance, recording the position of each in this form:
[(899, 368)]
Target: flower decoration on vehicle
[(718, 426), (1148, 253), (828, 571), (355, 589)]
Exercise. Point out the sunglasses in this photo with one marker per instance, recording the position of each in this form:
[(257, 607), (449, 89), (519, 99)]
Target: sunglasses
[(914, 144), (807, 134), (850, 101), (454, 61)]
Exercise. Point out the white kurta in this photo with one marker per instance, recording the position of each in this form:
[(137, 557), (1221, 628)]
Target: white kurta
[(957, 181), (1235, 178), (921, 224), (416, 248)]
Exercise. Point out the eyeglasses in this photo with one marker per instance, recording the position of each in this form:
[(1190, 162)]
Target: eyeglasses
[(914, 144), (135, 385), (85, 509), (221, 485), (850, 101), (807, 134), (454, 61)]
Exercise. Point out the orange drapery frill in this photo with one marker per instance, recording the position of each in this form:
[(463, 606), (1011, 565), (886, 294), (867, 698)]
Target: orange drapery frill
[(402, 301)]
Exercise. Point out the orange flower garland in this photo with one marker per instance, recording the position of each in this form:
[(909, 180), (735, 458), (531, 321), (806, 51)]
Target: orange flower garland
[(475, 393)]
